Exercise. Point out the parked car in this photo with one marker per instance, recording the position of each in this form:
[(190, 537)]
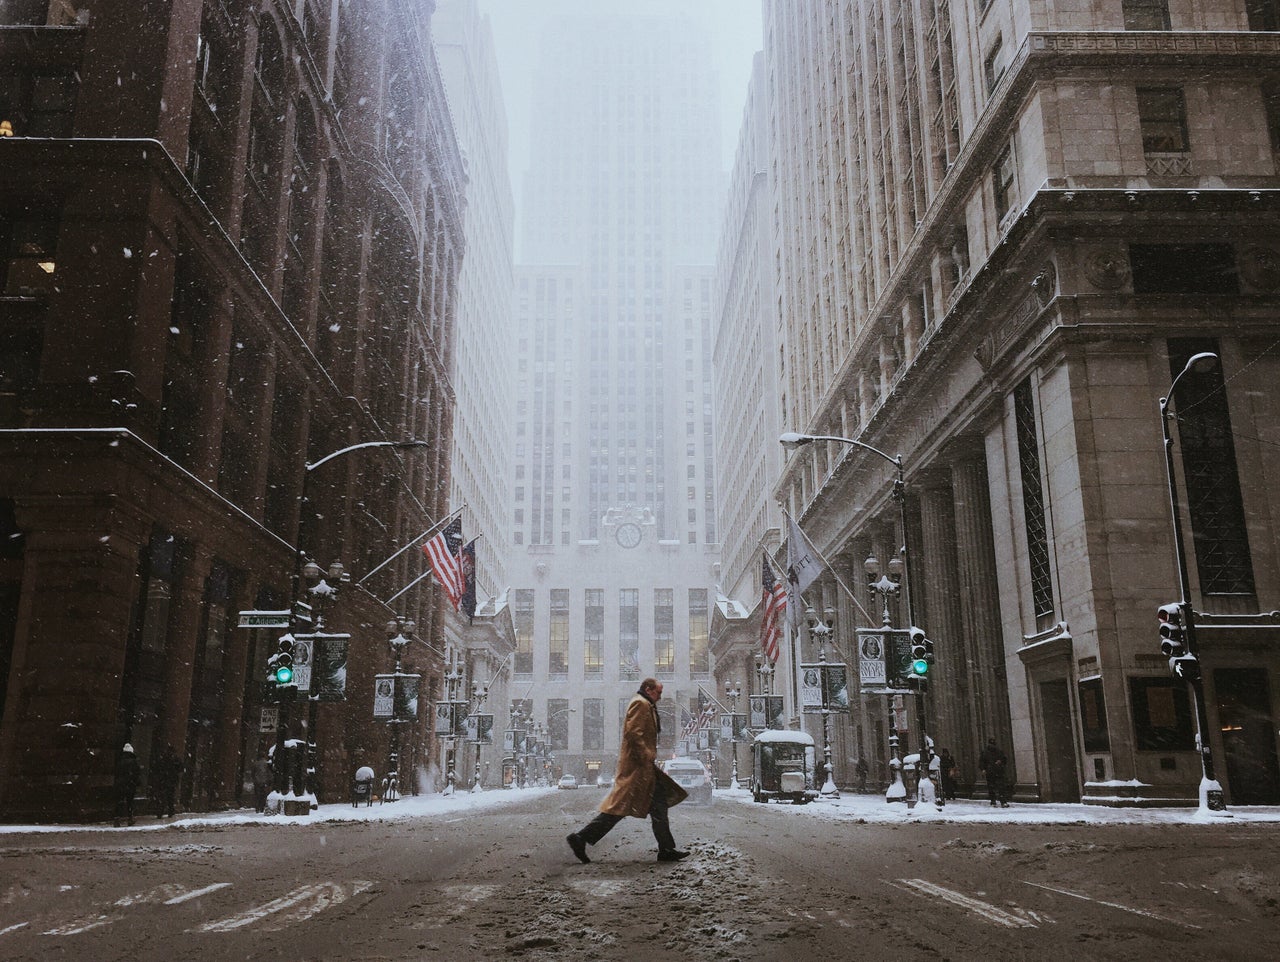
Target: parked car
[(691, 775), (567, 781)]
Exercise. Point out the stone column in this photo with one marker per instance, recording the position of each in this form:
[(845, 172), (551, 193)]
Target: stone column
[(186, 616), (948, 693), (231, 722), (980, 613)]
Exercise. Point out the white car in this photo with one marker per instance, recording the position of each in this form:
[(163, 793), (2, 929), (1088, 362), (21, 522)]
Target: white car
[(567, 781), (691, 775)]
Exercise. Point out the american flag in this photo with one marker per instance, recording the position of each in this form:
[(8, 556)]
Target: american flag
[(773, 603), (442, 551)]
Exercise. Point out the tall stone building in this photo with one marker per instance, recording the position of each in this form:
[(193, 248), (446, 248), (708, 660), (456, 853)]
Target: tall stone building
[(1002, 229), (748, 417), (615, 548), (480, 477), (231, 237)]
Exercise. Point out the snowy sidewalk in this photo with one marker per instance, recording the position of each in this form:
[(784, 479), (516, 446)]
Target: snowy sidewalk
[(417, 806), (873, 809)]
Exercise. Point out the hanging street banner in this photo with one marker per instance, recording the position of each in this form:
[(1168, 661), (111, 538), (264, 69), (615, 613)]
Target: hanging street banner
[(824, 687), (479, 728), (302, 651), (329, 666), (395, 697), (766, 712), (884, 659), (733, 725)]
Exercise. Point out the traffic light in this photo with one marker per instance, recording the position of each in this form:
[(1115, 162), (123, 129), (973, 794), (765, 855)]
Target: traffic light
[(1186, 667), (280, 665), (921, 653), (1173, 642)]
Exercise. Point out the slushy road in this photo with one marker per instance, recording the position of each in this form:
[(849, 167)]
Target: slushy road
[(763, 882)]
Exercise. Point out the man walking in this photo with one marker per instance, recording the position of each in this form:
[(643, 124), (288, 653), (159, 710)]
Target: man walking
[(993, 762), (128, 775), (640, 787)]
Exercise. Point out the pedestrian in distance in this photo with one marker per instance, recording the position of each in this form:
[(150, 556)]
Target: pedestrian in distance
[(640, 787), (165, 772), (128, 777), (950, 775), (994, 764), (262, 779), (861, 770)]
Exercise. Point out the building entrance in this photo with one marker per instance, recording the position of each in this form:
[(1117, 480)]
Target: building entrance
[(1248, 735)]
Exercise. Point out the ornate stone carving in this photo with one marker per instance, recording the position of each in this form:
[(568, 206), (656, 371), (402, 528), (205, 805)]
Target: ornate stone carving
[(1107, 268), (1045, 284)]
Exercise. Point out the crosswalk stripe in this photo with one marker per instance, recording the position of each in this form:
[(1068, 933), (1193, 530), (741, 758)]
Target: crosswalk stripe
[(87, 923), (1112, 905), (305, 901), (983, 909), (12, 928), (179, 899)]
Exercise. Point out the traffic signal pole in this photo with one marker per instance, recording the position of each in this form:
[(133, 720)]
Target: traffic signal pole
[(1211, 795)]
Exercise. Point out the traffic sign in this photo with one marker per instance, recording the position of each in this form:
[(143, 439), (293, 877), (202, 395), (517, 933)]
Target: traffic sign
[(264, 619)]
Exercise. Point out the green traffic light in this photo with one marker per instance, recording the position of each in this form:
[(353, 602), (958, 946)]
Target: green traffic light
[(284, 675), (920, 666)]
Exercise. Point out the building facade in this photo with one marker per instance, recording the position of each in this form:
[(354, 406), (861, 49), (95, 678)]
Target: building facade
[(232, 235), (615, 544), (748, 416), (480, 477), (1002, 231)]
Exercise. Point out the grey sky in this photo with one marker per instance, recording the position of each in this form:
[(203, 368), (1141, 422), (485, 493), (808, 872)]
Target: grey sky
[(735, 31)]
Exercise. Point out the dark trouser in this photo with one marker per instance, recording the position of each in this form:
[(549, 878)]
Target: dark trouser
[(599, 826), (260, 797), (124, 806)]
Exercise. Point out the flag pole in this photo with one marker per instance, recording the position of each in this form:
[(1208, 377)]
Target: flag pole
[(414, 543)]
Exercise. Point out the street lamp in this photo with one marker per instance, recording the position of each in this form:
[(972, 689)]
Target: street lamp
[(793, 440), (323, 588), (400, 632), (479, 692), (1211, 796), (452, 679), (821, 631), (887, 585), (732, 691), (764, 668), (295, 617)]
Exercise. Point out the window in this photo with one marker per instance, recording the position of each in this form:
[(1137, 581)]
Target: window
[(28, 244), (993, 66), (664, 630), (1033, 507), (1002, 178), (592, 724), (593, 643), (1145, 15), (699, 631), (1161, 715), (558, 723), (1162, 116), (522, 621), (559, 647), (629, 632), (38, 105)]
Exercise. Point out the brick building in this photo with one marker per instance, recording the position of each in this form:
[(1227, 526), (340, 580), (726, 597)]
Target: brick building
[(231, 237)]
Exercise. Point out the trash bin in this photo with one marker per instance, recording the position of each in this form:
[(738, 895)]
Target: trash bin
[(362, 787)]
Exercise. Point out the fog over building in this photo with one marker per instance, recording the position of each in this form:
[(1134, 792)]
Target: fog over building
[(615, 545)]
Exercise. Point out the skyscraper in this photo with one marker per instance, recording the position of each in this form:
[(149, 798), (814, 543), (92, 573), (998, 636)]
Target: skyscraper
[(613, 525)]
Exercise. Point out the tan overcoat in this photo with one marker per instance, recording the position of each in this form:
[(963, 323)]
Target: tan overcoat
[(633, 784)]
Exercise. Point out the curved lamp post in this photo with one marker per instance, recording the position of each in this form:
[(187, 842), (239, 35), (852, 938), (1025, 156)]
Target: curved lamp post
[(1211, 796), (732, 692), (300, 570), (793, 440)]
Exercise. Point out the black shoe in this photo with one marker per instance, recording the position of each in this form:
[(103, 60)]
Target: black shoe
[(671, 855), (1004, 804), (579, 847)]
